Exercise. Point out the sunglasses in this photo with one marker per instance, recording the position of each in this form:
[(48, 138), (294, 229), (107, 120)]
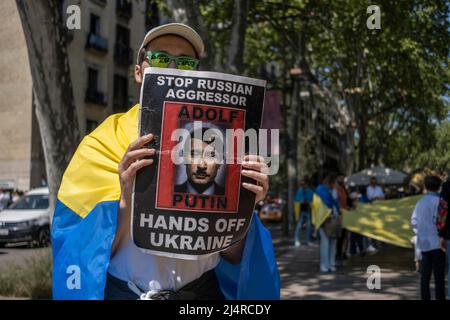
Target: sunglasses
[(161, 59)]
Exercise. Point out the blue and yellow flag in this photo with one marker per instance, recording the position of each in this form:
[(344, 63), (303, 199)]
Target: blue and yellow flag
[(384, 220), (319, 211), (85, 221)]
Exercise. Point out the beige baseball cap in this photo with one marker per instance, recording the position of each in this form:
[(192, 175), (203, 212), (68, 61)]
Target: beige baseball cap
[(178, 29)]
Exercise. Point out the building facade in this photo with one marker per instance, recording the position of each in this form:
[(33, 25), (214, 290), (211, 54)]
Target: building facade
[(15, 101), (101, 54), (323, 138)]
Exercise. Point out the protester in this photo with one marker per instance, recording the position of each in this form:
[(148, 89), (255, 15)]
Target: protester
[(329, 230), (344, 200), (424, 224), (374, 191), (444, 225), (355, 239), (303, 198), (363, 198), (15, 196), (5, 199), (417, 254), (359, 243), (100, 244)]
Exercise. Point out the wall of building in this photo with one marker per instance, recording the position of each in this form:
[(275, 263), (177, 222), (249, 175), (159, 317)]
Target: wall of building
[(21, 156), (81, 58), (15, 100)]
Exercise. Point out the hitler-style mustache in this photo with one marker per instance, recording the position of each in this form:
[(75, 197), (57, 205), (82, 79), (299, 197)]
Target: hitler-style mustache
[(201, 172)]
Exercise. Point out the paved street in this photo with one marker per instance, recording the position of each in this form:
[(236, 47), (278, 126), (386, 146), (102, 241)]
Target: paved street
[(301, 279)]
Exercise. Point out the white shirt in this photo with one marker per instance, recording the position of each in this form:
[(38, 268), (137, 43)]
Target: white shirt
[(374, 192), (423, 221), (131, 264)]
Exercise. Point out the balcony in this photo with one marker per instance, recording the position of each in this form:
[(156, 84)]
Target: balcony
[(124, 9), (100, 2), (97, 43), (123, 55), (96, 97)]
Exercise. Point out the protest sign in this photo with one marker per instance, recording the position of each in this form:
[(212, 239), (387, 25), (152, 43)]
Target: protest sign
[(190, 202)]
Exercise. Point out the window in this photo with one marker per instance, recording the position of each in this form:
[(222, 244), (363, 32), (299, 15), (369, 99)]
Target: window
[(120, 93), (91, 125), (93, 94), (122, 36), (124, 8), (31, 202), (123, 53), (95, 24), (92, 79), (94, 40)]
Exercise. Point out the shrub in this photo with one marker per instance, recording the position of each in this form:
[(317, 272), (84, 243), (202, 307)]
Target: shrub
[(32, 279)]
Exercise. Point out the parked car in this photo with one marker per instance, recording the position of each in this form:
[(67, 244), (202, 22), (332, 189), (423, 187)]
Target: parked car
[(27, 220), (271, 210)]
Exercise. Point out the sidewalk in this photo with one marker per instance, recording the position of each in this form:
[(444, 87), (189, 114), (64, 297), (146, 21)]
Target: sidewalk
[(301, 279)]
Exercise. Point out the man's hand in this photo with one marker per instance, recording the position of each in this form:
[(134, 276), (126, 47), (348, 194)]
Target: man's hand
[(131, 162), (256, 168)]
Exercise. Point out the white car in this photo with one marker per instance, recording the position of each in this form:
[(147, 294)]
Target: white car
[(27, 220)]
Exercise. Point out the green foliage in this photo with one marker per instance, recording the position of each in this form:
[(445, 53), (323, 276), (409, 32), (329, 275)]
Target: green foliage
[(393, 80), (437, 157)]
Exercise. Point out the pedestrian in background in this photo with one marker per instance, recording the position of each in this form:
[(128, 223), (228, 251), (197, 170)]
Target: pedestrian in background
[(343, 199), (374, 191), (444, 225), (303, 198), (4, 199), (15, 196), (328, 231), (424, 224)]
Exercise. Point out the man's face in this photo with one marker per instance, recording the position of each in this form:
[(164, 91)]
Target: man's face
[(373, 181), (172, 44), (203, 167)]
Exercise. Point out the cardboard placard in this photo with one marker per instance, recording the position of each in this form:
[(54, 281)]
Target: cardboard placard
[(192, 208)]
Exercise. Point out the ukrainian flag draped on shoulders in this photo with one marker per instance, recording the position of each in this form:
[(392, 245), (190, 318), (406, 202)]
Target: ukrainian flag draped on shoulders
[(85, 222)]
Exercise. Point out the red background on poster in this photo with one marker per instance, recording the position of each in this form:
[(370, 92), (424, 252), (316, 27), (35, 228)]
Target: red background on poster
[(167, 169)]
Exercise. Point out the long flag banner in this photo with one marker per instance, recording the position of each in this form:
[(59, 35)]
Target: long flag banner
[(384, 220)]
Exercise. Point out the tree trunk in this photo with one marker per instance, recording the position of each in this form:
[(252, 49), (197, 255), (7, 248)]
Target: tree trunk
[(237, 39), (285, 150), (362, 144), (52, 87)]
